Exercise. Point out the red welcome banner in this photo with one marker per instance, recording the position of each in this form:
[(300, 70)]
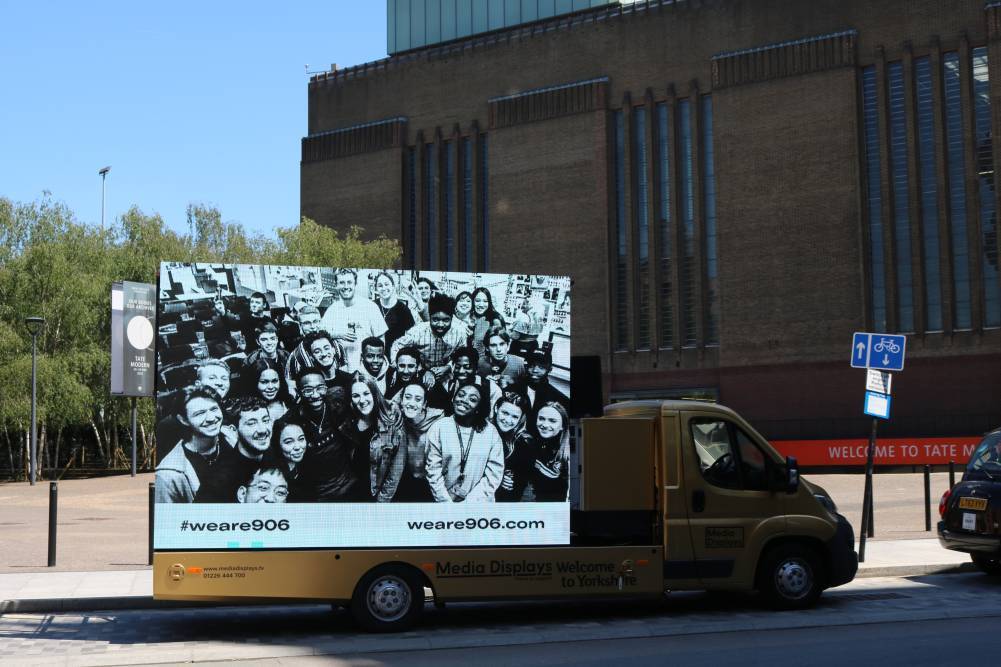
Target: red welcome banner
[(889, 451)]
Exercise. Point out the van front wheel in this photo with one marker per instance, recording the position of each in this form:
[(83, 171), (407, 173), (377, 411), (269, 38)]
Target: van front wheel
[(390, 598), (791, 577)]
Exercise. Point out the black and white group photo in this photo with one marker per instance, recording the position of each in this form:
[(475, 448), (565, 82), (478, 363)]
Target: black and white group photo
[(284, 384)]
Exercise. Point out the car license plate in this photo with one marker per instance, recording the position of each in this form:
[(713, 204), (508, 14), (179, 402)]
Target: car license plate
[(969, 521), (979, 504)]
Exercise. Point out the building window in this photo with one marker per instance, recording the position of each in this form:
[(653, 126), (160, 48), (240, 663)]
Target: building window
[(687, 190), (484, 206), (709, 217), (639, 157), (621, 327), (928, 179), (448, 211), (430, 208), (955, 158), (901, 196), (874, 196), (985, 182), (467, 205), (412, 205), (664, 224)]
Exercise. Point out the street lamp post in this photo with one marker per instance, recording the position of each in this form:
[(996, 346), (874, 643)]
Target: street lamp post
[(34, 325), (103, 171)]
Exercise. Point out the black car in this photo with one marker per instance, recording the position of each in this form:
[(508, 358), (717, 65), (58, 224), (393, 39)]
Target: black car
[(971, 510)]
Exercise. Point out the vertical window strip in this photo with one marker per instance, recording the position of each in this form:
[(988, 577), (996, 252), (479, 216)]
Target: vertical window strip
[(709, 214), (467, 205), (687, 189), (956, 157), (877, 268), (642, 226), (430, 209), (448, 213), (412, 198), (664, 221), (928, 177), (901, 196), (985, 176), (484, 205), (621, 273)]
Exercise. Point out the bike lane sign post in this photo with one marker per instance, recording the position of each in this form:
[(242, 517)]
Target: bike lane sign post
[(877, 353)]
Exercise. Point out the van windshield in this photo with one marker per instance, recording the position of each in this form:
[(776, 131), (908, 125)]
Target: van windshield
[(986, 458)]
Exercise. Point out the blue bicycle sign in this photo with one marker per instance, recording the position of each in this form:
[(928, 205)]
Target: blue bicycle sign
[(886, 344), (883, 352)]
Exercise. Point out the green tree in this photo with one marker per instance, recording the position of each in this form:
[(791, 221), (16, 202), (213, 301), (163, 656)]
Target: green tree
[(54, 266)]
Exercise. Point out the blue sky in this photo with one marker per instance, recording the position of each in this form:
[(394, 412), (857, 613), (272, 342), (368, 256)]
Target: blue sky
[(187, 101)]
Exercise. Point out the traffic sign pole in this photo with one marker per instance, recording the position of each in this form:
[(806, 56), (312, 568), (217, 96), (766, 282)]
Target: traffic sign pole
[(867, 494)]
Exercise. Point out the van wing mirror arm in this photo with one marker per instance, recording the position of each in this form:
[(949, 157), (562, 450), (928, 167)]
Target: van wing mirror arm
[(792, 475)]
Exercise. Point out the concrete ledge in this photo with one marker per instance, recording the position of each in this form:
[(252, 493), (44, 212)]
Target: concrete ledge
[(53, 605), (914, 570)]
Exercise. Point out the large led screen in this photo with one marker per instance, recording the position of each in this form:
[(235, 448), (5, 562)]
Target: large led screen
[(340, 407)]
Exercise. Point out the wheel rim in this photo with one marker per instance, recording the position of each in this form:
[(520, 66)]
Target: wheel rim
[(793, 579), (388, 598)]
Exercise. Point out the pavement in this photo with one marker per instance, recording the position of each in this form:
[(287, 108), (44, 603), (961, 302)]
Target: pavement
[(103, 548)]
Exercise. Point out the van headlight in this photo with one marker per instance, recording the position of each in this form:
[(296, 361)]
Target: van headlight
[(827, 502)]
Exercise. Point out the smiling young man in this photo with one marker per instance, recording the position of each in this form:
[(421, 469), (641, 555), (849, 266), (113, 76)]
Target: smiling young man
[(435, 339), (352, 319), (257, 316), (267, 348), (409, 368), (247, 422), (535, 385), (266, 485), (326, 468), (498, 364), (374, 364), (193, 460)]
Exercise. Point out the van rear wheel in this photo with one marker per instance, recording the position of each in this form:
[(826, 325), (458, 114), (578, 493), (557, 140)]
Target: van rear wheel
[(791, 577), (390, 598)]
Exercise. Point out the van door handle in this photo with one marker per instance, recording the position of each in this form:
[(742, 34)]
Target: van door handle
[(698, 500)]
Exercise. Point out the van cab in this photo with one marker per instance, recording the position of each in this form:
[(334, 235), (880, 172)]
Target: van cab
[(735, 515)]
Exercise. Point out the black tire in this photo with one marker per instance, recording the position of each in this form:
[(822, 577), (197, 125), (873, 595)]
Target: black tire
[(791, 576), (389, 598), (987, 564)]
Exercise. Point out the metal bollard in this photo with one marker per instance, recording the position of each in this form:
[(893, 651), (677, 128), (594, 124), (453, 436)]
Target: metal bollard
[(952, 474), (152, 504), (928, 498), (871, 528), (53, 517)]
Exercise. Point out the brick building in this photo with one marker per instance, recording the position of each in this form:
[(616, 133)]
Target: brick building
[(734, 185)]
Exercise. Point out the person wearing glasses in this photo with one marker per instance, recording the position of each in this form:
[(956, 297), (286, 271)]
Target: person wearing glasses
[(266, 485), (465, 455)]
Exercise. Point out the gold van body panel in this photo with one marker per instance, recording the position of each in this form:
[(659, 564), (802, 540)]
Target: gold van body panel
[(453, 574)]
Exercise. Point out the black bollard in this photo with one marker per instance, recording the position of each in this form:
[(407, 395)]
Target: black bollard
[(53, 514), (152, 504), (928, 498), (952, 474)]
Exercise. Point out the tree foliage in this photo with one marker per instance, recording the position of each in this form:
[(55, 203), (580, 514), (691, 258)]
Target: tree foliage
[(54, 266)]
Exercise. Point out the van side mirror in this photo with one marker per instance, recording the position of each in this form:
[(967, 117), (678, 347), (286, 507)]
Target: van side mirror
[(792, 475)]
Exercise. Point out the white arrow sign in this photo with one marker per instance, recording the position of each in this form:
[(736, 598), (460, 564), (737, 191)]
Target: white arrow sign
[(860, 348)]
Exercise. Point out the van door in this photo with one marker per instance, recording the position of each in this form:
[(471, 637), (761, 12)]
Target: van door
[(731, 510)]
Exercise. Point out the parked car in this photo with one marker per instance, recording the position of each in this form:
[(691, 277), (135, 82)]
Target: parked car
[(971, 510)]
